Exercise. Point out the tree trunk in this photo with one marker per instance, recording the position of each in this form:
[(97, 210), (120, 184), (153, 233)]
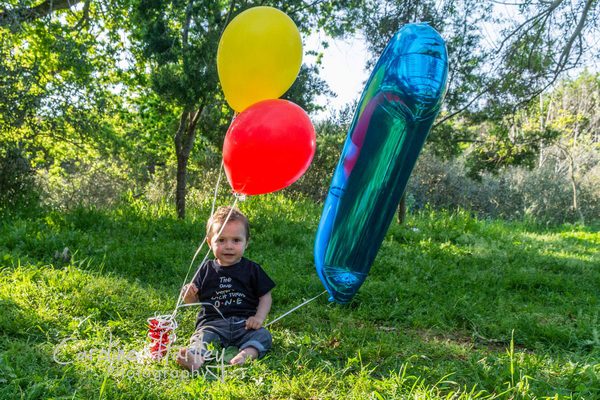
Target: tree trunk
[(401, 216), (574, 189), (180, 189), (184, 141)]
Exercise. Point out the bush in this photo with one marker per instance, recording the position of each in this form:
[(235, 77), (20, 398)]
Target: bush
[(542, 194), (99, 184), (315, 182), (17, 184), (201, 181)]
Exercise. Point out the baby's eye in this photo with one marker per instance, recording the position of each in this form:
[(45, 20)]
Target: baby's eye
[(237, 240)]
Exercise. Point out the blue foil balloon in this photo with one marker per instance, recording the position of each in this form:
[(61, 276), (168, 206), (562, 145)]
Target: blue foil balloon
[(398, 107)]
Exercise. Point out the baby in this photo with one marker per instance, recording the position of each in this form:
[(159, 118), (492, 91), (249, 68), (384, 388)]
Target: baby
[(236, 293)]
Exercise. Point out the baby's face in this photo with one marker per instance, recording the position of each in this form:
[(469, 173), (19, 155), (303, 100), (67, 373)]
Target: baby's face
[(229, 247)]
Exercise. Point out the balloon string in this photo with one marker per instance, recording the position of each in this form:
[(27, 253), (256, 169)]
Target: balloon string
[(161, 334), (271, 322), (214, 201), (295, 308), (162, 327)]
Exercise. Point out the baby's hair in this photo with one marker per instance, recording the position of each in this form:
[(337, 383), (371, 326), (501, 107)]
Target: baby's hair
[(220, 216)]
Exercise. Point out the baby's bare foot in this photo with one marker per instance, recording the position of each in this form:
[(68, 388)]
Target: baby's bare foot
[(249, 353), (189, 359)]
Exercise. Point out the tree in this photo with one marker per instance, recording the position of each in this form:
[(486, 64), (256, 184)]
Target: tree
[(57, 68), (572, 111), (492, 76), (80, 76), (177, 41)]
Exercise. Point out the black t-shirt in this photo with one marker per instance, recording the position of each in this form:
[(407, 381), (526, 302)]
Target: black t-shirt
[(233, 290)]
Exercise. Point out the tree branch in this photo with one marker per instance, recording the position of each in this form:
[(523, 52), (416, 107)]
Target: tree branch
[(465, 107), (306, 6), (85, 18), (545, 12), (229, 12), (186, 26), (9, 18), (564, 56)]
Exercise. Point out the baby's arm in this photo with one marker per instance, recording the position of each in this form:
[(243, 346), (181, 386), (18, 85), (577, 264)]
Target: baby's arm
[(264, 306), (190, 293)]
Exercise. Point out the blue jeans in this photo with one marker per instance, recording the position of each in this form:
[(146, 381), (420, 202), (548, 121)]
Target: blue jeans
[(230, 332)]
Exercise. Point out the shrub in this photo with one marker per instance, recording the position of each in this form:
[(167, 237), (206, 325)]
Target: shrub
[(96, 184), (17, 185), (543, 194), (315, 182)]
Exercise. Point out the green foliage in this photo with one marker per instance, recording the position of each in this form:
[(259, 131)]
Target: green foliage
[(59, 73), (443, 141), (561, 127), (307, 86), (457, 21), (315, 182), (454, 307), (17, 101), (179, 44), (500, 146)]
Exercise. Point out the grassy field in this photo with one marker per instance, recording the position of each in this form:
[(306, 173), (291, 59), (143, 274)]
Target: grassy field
[(454, 307)]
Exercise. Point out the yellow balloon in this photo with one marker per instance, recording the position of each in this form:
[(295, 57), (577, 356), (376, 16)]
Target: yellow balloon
[(259, 56)]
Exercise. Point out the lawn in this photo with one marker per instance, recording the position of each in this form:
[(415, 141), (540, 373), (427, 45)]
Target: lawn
[(454, 307)]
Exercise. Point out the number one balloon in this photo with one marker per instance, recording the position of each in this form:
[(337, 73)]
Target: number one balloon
[(259, 56), (398, 107)]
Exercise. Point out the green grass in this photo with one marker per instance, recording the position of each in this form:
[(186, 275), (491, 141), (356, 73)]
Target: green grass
[(454, 307)]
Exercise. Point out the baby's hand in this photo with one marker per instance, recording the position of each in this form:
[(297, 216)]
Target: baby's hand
[(189, 292), (254, 323)]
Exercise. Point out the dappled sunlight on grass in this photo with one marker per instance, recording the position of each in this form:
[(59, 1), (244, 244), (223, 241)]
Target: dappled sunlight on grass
[(574, 249)]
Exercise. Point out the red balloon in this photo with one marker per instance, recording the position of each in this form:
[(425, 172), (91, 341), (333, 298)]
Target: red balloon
[(268, 147)]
